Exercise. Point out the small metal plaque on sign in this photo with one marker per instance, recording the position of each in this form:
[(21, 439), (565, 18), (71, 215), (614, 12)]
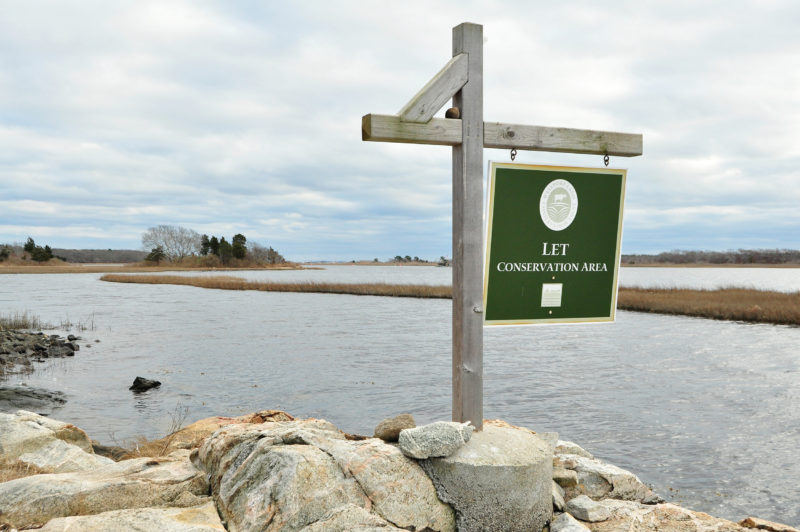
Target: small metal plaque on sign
[(553, 244)]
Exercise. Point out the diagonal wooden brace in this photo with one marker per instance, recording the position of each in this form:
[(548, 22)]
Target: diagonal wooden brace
[(437, 91)]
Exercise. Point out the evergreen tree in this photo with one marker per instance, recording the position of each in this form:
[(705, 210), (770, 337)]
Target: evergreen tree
[(41, 254), (213, 246), (225, 251), (238, 248), (205, 245), (156, 255), (30, 245)]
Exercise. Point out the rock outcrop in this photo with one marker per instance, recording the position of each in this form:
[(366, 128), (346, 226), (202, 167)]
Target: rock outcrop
[(202, 518), (19, 348), (138, 483), (625, 516), (47, 445), (295, 474), (602, 497), (270, 472), (579, 473), (192, 436), (18, 397)]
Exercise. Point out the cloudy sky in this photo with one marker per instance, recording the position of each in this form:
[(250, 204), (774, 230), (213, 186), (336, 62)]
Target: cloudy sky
[(230, 117)]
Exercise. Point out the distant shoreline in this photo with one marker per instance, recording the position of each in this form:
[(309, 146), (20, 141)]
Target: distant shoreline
[(707, 265), (135, 268), (370, 263), (127, 268)]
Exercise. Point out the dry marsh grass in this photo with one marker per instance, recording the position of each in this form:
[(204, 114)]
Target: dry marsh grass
[(736, 304), (21, 320), (13, 469), (725, 304), (236, 283)]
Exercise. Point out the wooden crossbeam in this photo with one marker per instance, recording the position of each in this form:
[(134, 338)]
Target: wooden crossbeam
[(389, 128), (437, 91), (447, 132)]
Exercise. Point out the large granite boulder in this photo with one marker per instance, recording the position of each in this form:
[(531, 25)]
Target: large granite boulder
[(350, 518), (201, 518), (138, 483), (192, 436), (631, 515), (595, 478), (48, 445), (296, 474), (501, 480)]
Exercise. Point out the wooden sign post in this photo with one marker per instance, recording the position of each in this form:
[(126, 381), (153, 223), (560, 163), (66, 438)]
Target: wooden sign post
[(461, 80)]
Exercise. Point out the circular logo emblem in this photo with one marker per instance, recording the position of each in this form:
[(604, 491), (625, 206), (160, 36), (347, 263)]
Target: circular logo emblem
[(558, 205)]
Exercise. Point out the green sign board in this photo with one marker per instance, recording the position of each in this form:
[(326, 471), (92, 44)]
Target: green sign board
[(553, 244)]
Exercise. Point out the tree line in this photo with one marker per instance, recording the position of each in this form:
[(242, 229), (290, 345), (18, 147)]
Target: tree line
[(29, 250), (37, 253), (175, 244), (740, 256)]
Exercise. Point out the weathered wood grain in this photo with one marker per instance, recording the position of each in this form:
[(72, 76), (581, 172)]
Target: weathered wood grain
[(561, 139), (448, 132), (389, 128), (438, 91), (468, 234)]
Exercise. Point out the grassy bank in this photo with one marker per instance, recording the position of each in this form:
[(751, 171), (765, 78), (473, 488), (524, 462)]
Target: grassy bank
[(25, 321), (21, 320), (725, 304), (236, 283), (737, 304)]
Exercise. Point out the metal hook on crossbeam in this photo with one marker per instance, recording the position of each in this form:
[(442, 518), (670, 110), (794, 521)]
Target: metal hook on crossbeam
[(513, 154), (605, 159)]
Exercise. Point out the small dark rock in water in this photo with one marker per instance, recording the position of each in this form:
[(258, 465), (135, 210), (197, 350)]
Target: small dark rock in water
[(140, 384), (72, 337)]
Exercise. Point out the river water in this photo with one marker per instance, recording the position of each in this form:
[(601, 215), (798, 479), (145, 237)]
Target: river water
[(707, 412)]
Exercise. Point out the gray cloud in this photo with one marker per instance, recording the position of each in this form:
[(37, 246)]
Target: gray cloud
[(245, 117)]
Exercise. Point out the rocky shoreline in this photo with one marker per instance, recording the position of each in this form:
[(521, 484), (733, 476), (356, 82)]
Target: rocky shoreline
[(19, 349), (270, 471)]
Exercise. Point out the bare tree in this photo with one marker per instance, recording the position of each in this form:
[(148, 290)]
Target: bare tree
[(177, 242), (263, 254)]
